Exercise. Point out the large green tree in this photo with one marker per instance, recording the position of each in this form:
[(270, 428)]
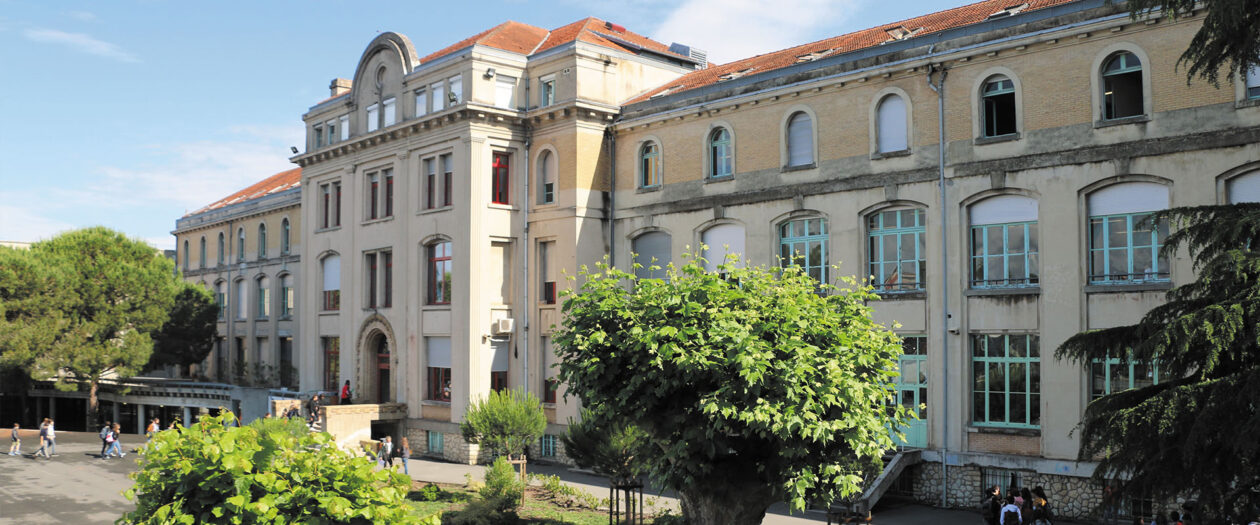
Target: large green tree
[(1195, 433), (751, 385), (1229, 39), (83, 305), (188, 334)]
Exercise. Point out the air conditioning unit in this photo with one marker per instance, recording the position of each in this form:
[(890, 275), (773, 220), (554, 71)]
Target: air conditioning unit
[(503, 326)]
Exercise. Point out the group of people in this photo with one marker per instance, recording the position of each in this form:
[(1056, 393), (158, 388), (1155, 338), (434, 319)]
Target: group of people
[(386, 453), (1018, 507), (47, 440)]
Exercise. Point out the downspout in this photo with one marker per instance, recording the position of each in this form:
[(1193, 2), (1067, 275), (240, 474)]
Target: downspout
[(939, 88), (525, 257), (611, 134)]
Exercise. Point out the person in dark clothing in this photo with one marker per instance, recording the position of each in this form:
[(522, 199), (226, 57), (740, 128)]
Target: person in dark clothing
[(105, 431), (991, 505)]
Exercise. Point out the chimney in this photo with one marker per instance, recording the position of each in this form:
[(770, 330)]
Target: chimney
[(339, 87)]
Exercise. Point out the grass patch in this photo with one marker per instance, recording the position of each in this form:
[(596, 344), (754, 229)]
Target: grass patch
[(540, 507)]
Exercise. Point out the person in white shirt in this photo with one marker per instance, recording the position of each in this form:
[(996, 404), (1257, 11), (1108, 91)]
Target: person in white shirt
[(1010, 514)]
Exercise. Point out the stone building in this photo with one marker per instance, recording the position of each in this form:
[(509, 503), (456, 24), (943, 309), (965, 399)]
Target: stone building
[(445, 195), (246, 249), (1065, 124)]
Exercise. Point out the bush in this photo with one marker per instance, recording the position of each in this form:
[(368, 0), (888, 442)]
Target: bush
[(505, 422), (503, 490), (429, 492), (262, 473)]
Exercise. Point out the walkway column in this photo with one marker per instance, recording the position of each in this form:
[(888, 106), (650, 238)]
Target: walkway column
[(117, 412), (52, 408), (141, 422), (188, 421)]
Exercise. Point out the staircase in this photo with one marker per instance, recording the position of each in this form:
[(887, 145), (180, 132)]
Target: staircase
[(861, 506)]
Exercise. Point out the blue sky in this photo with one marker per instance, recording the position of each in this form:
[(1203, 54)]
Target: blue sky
[(131, 113)]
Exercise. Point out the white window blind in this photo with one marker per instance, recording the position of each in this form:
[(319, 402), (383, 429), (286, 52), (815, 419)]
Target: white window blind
[(800, 140), (373, 120), (389, 111), (1003, 209), (891, 124), (500, 361), (1129, 197), (439, 350), (439, 96), (242, 304), (550, 360), (723, 239), (457, 88), (345, 127), (648, 246), (422, 102), (505, 92), (1253, 77), (1244, 188), (332, 273)]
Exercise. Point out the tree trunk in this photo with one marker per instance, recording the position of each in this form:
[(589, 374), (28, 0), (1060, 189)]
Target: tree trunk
[(727, 501), (93, 404)]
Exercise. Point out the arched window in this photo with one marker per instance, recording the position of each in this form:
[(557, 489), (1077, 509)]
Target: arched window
[(890, 124), (262, 241), (1122, 86), (284, 236), (651, 249), (800, 140), (723, 240), (264, 297), (1124, 243), (220, 297), (287, 300), (330, 267), (721, 156), (441, 267), (650, 165), (242, 304), (546, 178), (222, 255), (1243, 188), (240, 244), (998, 106), (186, 257), (896, 249), (803, 242), (201, 256), (1004, 247)]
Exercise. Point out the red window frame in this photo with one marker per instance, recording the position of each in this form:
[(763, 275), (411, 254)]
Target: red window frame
[(387, 292), (439, 265), (332, 362), (389, 193), (498, 381), (499, 182), (374, 195), (439, 384), (430, 197), (446, 180), (371, 278)]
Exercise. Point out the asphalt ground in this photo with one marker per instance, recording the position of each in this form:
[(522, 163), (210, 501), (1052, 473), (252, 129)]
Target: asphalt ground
[(77, 487)]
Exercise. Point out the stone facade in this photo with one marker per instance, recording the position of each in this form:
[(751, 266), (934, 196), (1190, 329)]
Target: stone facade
[(1073, 498)]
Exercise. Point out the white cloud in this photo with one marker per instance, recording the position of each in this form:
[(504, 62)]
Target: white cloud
[(80, 42), (25, 225), (86, 16), (731, 30)]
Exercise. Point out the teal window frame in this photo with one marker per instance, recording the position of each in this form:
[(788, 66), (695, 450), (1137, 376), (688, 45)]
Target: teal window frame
[(993, 106), (1117, 371), (721, 155), (650, 165), (804, 240), (1155, 235), (985, 272), (887, 275), (993, 392), (1114, 69), (263, 297), (547, 446), (914, 350), (436, 442)]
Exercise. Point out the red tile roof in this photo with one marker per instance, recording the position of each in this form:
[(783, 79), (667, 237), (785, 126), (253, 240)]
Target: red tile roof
[(526, 39), (508, 36), (273, 184), (918, 26)]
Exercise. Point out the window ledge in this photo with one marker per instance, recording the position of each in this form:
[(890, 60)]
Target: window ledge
[(506, 207), (436, 307), (890, 154), (802, 167), (377, 220), (1247, 103), (1136, 119), (724, 178), (981, 141), (983, 292), (427, 211), (1029, 432), (902, 296), (329, 312), (647, 189), (433, 403), (329, 229), (1135, 287)]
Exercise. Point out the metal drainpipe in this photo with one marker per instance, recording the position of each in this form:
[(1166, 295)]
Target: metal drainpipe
[(612, 195), (939, 88), (525, 257)]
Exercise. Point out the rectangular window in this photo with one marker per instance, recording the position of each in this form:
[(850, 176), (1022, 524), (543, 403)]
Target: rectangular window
[(499, 283), (332, 362), (369, 264), (499, 182), (803, 243), (373, 193), (447, 175), (260, 350), (344, 124), (330, 205), (498, 381), (220, 299), (1004, 255), (440, 268), (389, 111), (264, 299), (387, 279), (331, 128), (547, 281), (505, 92), (331, 267), (439, 368), (547, 446), (439, 96), (1115, 374), (1124, 248), (240, 356), (422, 102), (1253, 82), (1005, 479), (456, 89), (430, 184), (373, 117), (549, 359), (319, 136), (499, 365), (435, 440), (288, 375), (241, 304), (896, 250), (287, 298), (547, 91), (389, 193), (1006, 379)]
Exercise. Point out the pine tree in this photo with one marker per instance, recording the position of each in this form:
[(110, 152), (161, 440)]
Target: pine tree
[(1229, 39), (1198, 434)]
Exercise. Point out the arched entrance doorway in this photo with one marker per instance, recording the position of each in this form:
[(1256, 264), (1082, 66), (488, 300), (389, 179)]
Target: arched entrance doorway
[(378, 348)]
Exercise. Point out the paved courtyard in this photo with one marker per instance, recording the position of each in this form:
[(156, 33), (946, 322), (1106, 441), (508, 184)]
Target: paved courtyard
[(78, 487)]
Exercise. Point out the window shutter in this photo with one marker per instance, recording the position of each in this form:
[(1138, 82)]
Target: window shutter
[(332, 273), (439, 349), (499, 363), (389, 111), (891, 126), (647, 246), (722, 240), (1244, 188), (800, 140), (1003, 209), (504, 92), (345, 127), (1129, 197)]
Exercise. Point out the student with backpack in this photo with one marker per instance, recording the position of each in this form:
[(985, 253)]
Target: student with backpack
[(16, 448), (1010, 512), (101, 434), (991, 505), (1041, 507), (115, 448)]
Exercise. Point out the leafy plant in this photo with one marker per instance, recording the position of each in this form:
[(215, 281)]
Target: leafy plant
[(565, 495), (505, 422), (214, 472), (752, 385), (503, 490), (430, 492)]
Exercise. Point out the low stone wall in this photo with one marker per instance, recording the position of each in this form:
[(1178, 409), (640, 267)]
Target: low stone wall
[(351, 424), (1071, 497)]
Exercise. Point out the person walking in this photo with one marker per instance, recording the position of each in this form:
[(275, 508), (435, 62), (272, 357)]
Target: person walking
[(991, 505), (1041, 507), (1010, 512), (104, 432), (43, 441), (152, 429), (1025, 505), (16, 448), (312, 407), (404, 454), (345, 393), (52, 438), (115, 446), (387, 453)]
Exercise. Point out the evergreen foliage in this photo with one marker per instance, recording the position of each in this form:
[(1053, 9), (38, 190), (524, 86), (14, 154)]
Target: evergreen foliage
[(1228, 41), (267, 472), (749, 384), (505, 422), (614, 451), (188, 334), (1196, 434)]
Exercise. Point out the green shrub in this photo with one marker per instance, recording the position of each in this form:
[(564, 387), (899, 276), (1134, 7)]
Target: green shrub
[(429, 492), (505, 422), (212, 472), (503, 490)]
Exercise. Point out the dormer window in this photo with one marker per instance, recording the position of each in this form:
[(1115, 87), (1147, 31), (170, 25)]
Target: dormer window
[(456, 93), (547, 91), (389, 111), (901, 33), (810, 57), (1008, 11), (373, 117), (438, 91), (344, 122), (735, 74)]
